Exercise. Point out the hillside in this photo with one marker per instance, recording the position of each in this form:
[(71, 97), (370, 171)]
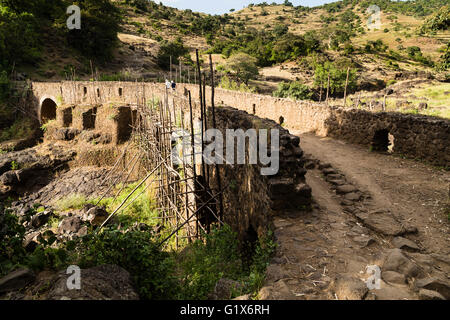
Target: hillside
[(290, 44)]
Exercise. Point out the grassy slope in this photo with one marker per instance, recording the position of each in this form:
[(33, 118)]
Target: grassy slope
[(138, 46)]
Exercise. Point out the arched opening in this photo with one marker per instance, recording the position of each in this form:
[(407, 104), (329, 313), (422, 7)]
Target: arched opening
[(254, 108), (120, 92), (383, 141), (281, 120), (85, 91), (48, 110)]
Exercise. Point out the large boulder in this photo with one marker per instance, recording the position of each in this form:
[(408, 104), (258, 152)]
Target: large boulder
[(225, 288), (16, 280), (40, 219), (70, 225), (347, 287), (396, 261), (95, 215), (435, 284), (106, 282)]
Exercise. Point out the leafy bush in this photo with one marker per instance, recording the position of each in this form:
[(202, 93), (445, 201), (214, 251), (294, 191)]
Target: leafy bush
[(137, 252), (439, 21), (228, 84), (242, 66), (12, 234), (445, 59), (338, 76), (98, 34), (203, 264), (19, 38), (294, 90), (174, 49)]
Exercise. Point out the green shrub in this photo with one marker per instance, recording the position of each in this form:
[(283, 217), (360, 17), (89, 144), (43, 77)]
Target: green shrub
[(338, 76), (152, 270), (98, 35), (204, 263), (294, 90), (12, 233), (174, 49)]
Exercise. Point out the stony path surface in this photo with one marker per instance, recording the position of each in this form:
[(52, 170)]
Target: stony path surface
[(370, 210)]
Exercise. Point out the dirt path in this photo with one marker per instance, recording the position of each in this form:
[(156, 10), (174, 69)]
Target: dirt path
[(412, 191), (369, 210)]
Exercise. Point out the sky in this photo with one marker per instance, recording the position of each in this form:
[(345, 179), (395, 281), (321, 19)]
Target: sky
[(224, 6)]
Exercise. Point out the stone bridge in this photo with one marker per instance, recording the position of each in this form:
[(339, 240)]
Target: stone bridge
[(414, 136)]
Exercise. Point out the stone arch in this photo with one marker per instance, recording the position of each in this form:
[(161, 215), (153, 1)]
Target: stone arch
[(47, 109)]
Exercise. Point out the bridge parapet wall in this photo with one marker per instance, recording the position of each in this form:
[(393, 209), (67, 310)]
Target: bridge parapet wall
[(250, 198), (414, 136)]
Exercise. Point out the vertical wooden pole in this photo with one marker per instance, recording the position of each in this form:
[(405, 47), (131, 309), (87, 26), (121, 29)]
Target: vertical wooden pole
[(328, 87), (345, 90), (218, 179), (170, 68)]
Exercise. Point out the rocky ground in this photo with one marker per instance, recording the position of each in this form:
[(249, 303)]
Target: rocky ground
[(38, 178), (370, 210)]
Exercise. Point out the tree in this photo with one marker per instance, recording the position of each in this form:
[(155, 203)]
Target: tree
[(174, 49), (294, 90), (445, 59), (280, 30), (98, 34), (242, 66), (338, 76)]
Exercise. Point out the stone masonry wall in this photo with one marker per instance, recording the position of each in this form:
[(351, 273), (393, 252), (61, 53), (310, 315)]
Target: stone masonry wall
[(251, 199), (415, 136)]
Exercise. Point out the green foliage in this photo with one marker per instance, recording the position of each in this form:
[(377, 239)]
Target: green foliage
[(14, 165), (137, 252), (268, 47), (174, 49), (204, 263), (445, 59), (20, 128), (375, 46), (23, 25), (439, 21), (98, 34), (228, 84), (141, 210), (294, 90), (5, 87), (242, 66), (11, 237), (415, 54), (338, 76), (19, 37)]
